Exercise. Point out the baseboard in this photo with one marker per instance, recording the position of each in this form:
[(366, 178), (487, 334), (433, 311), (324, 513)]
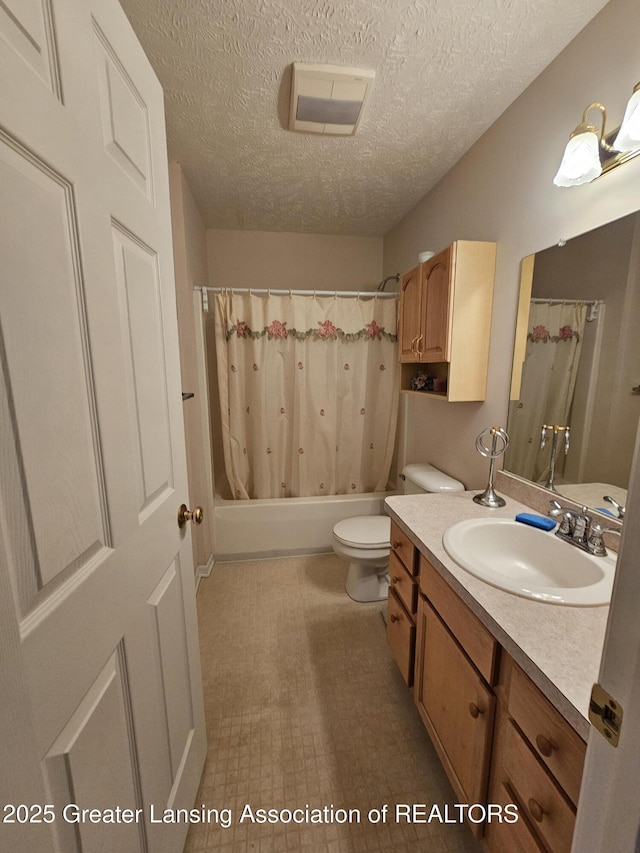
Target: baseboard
[(268, 555), (205, 570)]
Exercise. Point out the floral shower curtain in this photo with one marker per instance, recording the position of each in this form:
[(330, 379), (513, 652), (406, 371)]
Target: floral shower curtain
[(554, 343), (308, 393)]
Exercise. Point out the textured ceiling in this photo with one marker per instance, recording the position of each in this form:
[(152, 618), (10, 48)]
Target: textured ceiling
[(445, 70)]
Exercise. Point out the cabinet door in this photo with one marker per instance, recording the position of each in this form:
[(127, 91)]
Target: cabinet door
[(410, 330), (437, 276), (401, 635), (455, 705)]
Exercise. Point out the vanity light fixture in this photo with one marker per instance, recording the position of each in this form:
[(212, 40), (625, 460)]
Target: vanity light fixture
[(629, 134), (588, 153), (581, 161)]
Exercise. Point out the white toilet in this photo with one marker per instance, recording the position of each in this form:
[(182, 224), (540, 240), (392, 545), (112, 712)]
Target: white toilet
[(365, 540)]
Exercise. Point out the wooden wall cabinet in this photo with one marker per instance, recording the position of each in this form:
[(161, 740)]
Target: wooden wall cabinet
[(498, 737), (445, 319)]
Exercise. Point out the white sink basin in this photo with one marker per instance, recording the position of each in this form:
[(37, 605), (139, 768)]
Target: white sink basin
[(529, 562)]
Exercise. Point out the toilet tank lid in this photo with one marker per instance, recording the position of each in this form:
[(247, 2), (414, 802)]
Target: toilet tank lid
[(427, 477)]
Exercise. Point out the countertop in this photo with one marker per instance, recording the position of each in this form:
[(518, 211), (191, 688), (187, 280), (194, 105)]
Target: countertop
[(559, 647)]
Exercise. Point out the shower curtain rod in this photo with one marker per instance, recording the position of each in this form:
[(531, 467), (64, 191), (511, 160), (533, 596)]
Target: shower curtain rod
[(270, 291), (594, 304)]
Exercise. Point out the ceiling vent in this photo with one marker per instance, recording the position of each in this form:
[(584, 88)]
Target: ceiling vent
[(328, 99)]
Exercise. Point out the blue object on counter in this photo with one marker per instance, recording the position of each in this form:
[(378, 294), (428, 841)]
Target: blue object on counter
[(540, 521), (606, 511)]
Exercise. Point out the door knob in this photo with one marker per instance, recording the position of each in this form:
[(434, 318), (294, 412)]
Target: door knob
[(185, 515)]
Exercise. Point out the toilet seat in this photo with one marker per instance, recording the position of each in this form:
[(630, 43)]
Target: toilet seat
[(367, 532)]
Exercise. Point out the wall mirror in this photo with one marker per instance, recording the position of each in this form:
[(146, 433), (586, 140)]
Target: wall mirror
[(575, 391)]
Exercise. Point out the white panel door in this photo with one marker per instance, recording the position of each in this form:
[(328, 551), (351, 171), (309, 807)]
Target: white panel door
[(100, 694)]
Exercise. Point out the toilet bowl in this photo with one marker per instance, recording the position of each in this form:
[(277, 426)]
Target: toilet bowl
[(364, 541)]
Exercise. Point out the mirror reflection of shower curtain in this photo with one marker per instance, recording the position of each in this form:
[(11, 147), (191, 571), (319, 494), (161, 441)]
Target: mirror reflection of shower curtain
[(554, 342), (308, 393)]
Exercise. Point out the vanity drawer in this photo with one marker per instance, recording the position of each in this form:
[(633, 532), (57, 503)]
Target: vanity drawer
[(470, 633), (402, 583), (545, 806), (503, 837), (401, 636), (404, 548), (551, 737)]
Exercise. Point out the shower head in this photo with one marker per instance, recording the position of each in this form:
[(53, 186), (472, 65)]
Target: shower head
[(382, 284)]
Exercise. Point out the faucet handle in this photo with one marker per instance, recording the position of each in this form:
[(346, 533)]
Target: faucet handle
[(595, 542), (557, 509)]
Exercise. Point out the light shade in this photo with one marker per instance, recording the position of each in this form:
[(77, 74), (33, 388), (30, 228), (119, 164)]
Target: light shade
[(628, 137), (581, 161)]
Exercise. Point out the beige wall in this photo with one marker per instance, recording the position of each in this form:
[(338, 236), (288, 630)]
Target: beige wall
[(300, 261), (190, 258), (502, 190)]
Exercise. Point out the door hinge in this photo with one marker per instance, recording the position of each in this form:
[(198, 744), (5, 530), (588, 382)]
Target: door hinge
[(605, 714)]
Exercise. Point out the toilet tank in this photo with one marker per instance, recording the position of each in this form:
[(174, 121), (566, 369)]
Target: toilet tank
[(421, 478)]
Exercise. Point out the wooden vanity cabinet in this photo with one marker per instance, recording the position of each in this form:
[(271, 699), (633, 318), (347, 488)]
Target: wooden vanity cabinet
[(498, 737), (445, 319), (537, 763), (401, 606), (455, 665), (455, 704)]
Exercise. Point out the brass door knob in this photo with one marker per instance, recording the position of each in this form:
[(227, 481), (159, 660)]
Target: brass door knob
[(185, 515)]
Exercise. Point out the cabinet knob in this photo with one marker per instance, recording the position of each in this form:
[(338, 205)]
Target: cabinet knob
[(396, 545), (396, 579), (545, 745), (394, 618), (537, 812), (474, 710)]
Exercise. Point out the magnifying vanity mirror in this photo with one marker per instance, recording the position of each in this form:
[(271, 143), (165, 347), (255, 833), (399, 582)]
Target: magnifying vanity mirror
[(575, 391)]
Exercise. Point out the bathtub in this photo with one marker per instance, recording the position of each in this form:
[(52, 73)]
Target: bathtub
[(284, 526)]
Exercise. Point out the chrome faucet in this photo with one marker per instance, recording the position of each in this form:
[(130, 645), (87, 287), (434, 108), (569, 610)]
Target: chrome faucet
[(574, 525), (579, 528)]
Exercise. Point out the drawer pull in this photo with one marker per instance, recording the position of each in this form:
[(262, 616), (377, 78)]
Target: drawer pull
[(545, 746), (474, 710), (396, 545), (537, 812), (394, 618), (396, 579)]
